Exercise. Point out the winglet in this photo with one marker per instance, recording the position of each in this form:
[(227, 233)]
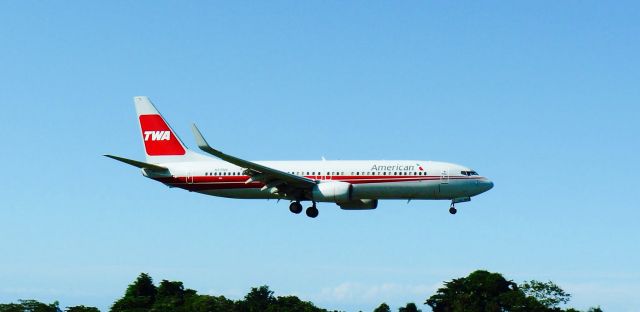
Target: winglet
[(202, 143), (204, 146)]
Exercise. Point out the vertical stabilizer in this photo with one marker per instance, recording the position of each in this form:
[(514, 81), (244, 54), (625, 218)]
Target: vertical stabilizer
[(161, 143)]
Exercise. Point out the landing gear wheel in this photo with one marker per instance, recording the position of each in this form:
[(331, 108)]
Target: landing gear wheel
[(295, 207), (312, 212), (453, 210)]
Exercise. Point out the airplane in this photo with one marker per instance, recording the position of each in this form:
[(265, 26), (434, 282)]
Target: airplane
[(351, 184)]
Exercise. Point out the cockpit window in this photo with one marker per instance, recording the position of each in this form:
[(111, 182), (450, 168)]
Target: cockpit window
[(469, 173)]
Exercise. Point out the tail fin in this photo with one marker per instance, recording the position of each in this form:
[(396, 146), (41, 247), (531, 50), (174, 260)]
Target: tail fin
[(161, 143)]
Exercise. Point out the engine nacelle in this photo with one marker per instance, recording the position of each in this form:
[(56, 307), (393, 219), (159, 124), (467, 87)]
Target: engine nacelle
[(359, 204), (332, 192)]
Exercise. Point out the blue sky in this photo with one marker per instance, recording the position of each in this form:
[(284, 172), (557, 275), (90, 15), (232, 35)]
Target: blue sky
[(542, 97)]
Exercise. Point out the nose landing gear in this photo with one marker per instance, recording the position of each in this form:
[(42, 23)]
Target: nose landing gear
[(452, 209)]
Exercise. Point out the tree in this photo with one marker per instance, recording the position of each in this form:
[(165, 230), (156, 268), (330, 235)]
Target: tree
[(139, 296), (81, 308), (11, 307), (384, 307), (482, 291), (257, 300), (548, 294), (292, 304), (30, 306), (206, 303), (169, 297), (410, 307)]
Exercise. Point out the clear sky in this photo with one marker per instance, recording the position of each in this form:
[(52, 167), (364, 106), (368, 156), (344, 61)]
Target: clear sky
[(541, 97)]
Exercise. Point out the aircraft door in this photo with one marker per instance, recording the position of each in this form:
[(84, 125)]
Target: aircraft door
[(189, 178), (444, 176)]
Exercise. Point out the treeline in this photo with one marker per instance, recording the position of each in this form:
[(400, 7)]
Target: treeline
[(480, 291)]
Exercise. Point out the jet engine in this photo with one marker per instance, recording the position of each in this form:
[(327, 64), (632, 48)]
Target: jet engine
[(359, 204), (334, 191)]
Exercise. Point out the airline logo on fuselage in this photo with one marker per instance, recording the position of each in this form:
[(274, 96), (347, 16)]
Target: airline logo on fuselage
[(393, 167), (157, 135), (398, 167)]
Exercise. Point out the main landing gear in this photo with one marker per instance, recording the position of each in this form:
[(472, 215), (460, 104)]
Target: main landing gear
[(312, 211), (296, 208)]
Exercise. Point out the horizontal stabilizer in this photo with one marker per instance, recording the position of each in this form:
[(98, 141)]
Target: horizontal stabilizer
[(138, 164)]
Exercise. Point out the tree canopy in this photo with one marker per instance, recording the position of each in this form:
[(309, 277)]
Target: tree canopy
[(384, 307), (480, 291), (486, 291)]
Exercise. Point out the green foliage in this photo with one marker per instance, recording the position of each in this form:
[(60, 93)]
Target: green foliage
[(548, 294), (384, 307), (11, 307), (205, 303), (29, 306), (139, 297), (169, 297), (81, 308), (257, 300), (410, 307), (292, 304), (482, 291)]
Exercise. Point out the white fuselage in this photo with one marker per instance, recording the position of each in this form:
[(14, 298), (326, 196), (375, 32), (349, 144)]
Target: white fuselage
[(385, 179)]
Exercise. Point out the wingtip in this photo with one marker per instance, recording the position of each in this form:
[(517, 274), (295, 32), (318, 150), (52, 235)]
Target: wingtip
[(200, 140)]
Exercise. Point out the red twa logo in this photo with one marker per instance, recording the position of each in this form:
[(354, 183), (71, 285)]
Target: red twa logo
[(158, 139)]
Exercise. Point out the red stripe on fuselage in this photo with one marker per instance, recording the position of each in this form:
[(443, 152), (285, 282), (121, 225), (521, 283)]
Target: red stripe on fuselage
[(201, 183)]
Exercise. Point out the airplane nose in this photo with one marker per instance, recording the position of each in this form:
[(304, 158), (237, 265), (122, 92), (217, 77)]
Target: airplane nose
[(487, 185)]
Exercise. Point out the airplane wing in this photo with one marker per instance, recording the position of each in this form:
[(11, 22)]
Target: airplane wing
[(283, 181)]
